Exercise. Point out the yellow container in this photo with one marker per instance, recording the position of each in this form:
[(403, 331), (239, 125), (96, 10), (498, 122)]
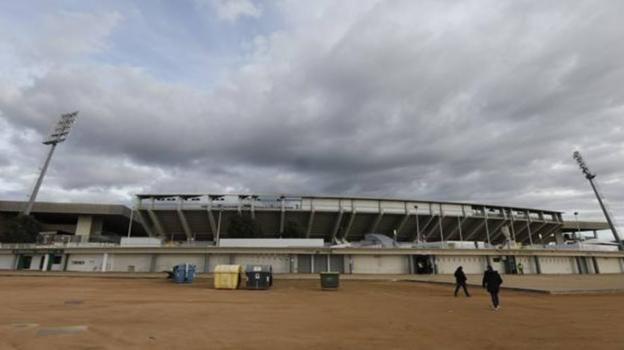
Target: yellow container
[(227, 276)]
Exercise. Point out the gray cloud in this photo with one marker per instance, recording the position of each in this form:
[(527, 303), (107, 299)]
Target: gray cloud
[(471, 101)]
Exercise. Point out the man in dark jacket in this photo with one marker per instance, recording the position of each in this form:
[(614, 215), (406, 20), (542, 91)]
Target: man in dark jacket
[(460, 281), (492, 281)]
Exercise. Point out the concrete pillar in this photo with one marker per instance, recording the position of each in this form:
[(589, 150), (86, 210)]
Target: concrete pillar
[(84, 227), (538, 268), (46, 259), (292, 267), (17, 259), (206, 263), (153, 263), (65, 262), (104, 262)]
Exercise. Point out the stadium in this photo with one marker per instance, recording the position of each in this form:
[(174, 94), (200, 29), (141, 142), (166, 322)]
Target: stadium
[(304, 234)]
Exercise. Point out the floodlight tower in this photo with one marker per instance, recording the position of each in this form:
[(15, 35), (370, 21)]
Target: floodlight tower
[(590, 177), (59, 133)]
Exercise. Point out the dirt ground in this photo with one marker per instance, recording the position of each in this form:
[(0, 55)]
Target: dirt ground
[(110, 313)]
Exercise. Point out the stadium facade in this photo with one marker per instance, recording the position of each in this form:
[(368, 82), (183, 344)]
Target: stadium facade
[(307, 234)]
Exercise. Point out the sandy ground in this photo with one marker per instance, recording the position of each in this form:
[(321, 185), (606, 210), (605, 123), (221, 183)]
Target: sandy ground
[(109, 313)]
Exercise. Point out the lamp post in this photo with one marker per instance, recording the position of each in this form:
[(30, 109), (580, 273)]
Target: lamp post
[(59, 133), (590, 177), (578, 227)]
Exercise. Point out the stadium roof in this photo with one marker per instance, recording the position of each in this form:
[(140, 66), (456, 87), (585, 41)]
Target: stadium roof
[(339, 219)]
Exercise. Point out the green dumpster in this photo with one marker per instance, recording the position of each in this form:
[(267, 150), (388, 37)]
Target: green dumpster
[(330, 280)]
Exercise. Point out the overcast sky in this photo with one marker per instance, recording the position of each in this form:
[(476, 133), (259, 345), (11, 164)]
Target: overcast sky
[(480, 101)]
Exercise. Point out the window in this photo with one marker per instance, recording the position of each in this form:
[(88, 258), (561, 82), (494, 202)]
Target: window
[(57, 259)]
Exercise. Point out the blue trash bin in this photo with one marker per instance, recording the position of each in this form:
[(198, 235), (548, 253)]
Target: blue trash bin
[(184, 273), (190, 273), (179, 274)]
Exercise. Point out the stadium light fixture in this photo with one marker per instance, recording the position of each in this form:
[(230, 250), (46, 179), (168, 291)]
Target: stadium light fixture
[(59, 133), (590, 177)]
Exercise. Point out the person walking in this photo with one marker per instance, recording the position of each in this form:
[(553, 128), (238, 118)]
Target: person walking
[(492, 282), (520, 268), (460, 281)]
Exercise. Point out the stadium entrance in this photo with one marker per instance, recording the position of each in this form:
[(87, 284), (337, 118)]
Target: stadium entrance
[(422, 264)]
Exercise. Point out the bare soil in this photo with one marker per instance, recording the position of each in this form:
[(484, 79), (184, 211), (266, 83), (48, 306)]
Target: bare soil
[(111, 313)]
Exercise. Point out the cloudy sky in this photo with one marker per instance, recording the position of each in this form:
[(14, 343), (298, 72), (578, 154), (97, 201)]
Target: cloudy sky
[(479, 101)]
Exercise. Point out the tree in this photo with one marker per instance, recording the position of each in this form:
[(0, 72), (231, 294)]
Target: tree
[(244, 227), (21, 229), (292, 229)]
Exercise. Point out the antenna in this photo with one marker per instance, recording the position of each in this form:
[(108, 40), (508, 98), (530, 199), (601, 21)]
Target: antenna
[(590, 177), (59, 133)]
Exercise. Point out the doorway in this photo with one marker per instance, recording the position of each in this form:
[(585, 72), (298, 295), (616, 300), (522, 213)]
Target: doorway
[(423, 264)]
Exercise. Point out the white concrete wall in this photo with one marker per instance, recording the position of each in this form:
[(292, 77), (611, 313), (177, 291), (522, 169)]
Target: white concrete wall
[(85, 262), (166, 262), (130, 262), (470, 264), (84, 227), (7, 261), (59, 266), (35, 262), (558, 265), (380, 264), (280, 263), (609, 265), (528, 264), (217, 259), (498, 265)]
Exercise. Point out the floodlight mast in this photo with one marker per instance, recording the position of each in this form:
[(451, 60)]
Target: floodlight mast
[(590, 177), (59, 133)]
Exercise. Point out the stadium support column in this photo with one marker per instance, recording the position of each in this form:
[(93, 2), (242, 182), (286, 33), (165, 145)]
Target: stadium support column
[(460, 222), (104, 262), (528, 226), (475, 231), (401, 225), (183, 221), (218, 237), (487, 228), (380, 214), (282, 215), (156, 221), (84, 227), (152, 215), (252, 206), (211, 219), (144, 222), (440, 218), (310, 222), (46, 260), (513, 223), (345, 234), (337, 225), (418, 234)]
